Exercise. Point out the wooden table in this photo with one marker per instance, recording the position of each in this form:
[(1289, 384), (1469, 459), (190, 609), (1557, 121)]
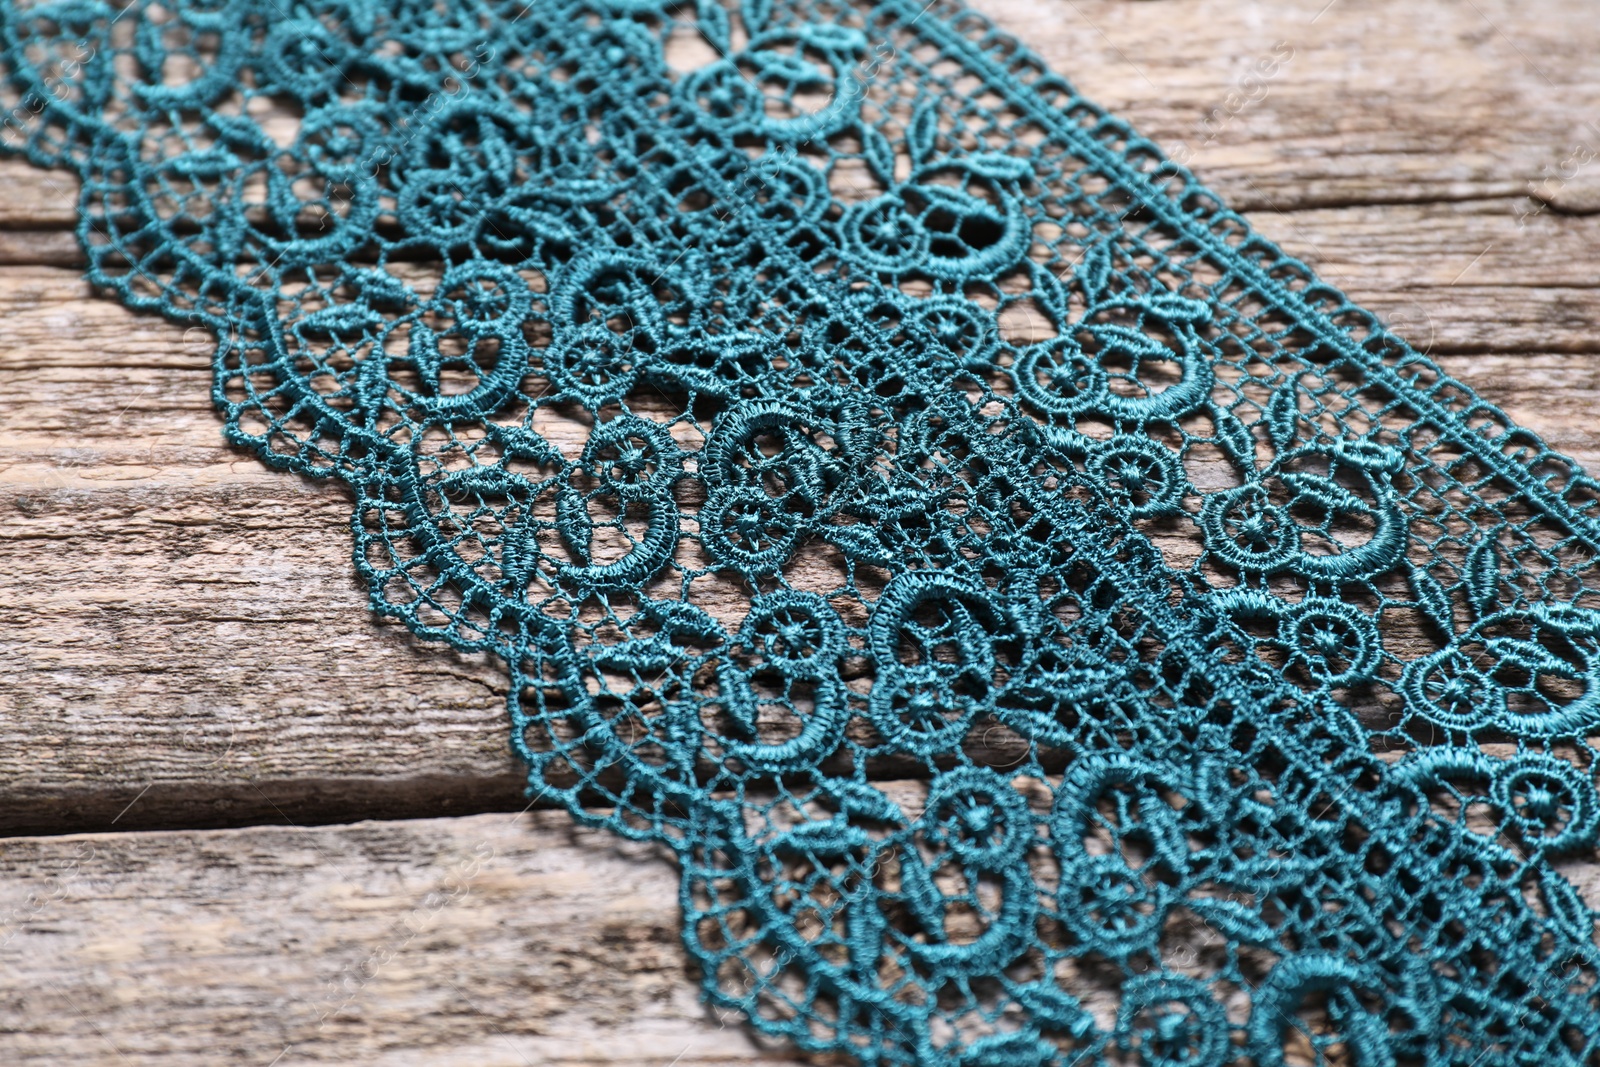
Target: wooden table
[(252, 823)]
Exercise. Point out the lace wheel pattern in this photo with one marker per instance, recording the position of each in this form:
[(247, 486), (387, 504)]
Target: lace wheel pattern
[(1123, 617)]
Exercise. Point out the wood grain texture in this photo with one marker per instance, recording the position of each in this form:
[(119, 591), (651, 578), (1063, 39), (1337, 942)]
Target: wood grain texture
[(486, 940), (490, 940), (1427, 101), (172, 608), (185, 645)]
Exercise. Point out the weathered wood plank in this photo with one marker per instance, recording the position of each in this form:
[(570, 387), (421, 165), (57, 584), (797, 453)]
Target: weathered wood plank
[(172, 603), (35, 200), (486, 940), (1367, 103), (479, 941), (180, 618), (169, 606)]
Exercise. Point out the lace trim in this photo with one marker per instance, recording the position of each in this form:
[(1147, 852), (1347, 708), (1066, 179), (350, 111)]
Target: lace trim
[(1136, 653)]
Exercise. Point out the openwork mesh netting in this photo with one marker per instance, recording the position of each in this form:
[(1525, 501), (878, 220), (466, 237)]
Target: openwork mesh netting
[(1046, 623)]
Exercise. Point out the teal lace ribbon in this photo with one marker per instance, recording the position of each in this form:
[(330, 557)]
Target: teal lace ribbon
[(1047, 623)]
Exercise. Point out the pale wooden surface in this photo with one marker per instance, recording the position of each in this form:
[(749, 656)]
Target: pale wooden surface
[(487, 939), (167, 605)]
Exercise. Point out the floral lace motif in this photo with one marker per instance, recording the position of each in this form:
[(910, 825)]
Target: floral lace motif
[(1136, 654)]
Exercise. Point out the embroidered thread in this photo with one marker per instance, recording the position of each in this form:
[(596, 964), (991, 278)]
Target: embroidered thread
[(1141, 656)]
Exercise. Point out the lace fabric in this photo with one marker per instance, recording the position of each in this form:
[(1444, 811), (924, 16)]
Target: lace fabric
[(1047, 623)]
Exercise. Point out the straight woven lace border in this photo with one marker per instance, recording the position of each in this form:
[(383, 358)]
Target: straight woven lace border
[(1047, 624)]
